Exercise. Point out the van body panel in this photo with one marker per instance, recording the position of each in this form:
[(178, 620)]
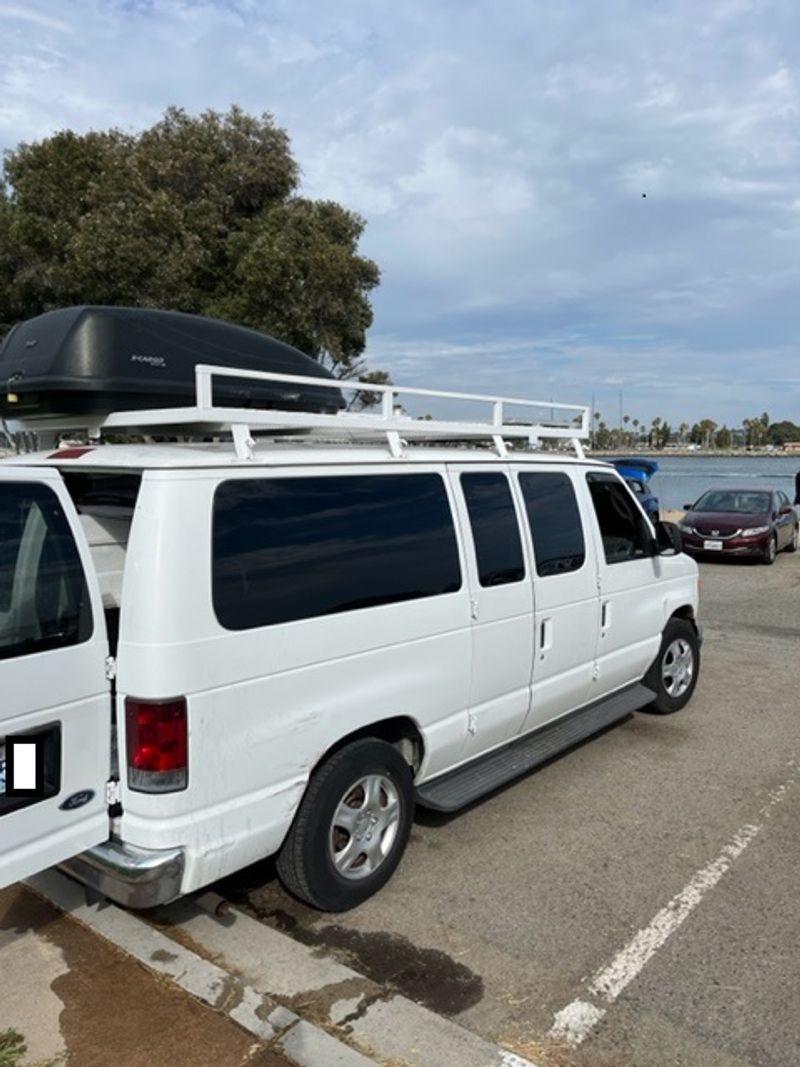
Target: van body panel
[(471, 669), (631, 593), (266, 704), (565, 626), (502, 633)]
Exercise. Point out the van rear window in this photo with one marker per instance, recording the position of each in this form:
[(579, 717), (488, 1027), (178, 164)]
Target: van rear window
[(295, 548), (44, 601)]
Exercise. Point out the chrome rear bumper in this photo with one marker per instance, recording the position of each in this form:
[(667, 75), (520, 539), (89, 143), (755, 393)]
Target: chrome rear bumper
[(137, 878)]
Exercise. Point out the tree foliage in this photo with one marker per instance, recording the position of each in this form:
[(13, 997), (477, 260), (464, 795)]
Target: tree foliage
[(198, 214), (781, 432)]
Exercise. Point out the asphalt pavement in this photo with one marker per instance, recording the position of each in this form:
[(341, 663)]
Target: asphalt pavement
[(635, 901), (632, 904)]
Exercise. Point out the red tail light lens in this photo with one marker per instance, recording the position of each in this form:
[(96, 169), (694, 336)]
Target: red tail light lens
[(157, 745)]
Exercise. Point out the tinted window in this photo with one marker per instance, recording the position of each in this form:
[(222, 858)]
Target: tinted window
[(744, 501), (555, 522), (623, 529), (44, 602), (294, 548), (494, 528)]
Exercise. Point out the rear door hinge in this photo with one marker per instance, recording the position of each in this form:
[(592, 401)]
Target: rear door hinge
[(111, 668)]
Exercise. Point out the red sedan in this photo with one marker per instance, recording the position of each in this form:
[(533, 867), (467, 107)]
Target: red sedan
[(756, 523)]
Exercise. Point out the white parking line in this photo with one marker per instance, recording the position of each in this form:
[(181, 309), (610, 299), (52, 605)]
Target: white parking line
[(574, 1022)]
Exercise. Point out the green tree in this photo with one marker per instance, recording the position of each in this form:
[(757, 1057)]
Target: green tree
[(781, 432), (756, 430), (199, 214), (707, 429), (603, 437), (654, 432), (723, 438)]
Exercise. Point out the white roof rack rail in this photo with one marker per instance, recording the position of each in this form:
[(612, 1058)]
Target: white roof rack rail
[(568, 422)]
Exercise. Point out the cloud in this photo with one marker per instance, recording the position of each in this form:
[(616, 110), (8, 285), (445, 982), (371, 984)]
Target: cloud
[(576, 172), (16, 13)]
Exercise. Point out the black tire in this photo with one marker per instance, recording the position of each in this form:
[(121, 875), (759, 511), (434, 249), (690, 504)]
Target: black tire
[(792, 546), (306, 861), (771, 551), (679, 638)]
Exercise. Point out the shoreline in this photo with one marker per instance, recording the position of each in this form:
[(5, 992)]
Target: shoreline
[(677, 453)]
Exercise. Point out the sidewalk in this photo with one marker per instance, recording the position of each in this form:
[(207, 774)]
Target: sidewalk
[(77, 1000)]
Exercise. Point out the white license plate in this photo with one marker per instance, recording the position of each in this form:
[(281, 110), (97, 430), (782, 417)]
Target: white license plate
[(712, 546)]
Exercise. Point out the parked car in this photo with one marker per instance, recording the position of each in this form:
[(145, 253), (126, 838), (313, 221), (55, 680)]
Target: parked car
[(222, 651), (637, 473), (750, 522)]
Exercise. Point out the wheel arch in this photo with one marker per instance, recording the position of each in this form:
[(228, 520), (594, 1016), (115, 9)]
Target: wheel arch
[(400, 731), (686, 611)]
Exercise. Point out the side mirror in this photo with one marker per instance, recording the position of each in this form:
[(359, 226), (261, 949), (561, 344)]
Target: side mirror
[(688, 507), (668, 539)]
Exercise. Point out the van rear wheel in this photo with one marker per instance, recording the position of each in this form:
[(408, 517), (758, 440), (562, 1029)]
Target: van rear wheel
[(673, 673), (351, 828)]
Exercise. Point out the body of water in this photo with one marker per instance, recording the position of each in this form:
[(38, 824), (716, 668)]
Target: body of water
[(682, 479)]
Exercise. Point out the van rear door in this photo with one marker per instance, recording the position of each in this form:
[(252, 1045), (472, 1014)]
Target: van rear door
[(55, 708)]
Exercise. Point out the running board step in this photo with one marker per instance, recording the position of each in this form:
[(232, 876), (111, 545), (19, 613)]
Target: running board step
[(462, 786)]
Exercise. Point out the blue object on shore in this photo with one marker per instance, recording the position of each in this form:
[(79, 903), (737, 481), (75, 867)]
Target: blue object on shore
[(637, 473)]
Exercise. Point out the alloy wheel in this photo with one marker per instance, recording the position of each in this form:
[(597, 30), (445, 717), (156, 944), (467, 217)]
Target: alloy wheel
[(364, 826), (677, 667)]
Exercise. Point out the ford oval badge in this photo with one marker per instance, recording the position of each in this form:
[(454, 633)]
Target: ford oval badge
[(77, 800)]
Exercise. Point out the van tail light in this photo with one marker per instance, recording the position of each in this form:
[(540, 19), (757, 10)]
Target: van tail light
[(157, 745)]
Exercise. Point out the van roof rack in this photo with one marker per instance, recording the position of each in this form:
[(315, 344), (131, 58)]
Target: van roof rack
[(390, 422)]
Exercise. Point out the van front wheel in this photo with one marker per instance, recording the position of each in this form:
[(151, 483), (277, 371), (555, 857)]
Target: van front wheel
[(673, 674), (351, 828)]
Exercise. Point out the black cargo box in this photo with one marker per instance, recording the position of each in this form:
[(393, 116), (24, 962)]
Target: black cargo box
[(94, 360)]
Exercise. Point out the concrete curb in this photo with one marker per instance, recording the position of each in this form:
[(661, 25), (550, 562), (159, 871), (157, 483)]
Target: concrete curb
[(259, 969), (258, 1014)]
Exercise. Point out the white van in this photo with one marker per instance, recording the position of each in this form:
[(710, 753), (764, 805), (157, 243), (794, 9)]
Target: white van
[(223, 650)]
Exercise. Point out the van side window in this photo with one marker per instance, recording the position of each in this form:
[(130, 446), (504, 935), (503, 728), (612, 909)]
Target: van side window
[(494, 528), (296, 548), (554, 521), (622, 527), (44, 600)]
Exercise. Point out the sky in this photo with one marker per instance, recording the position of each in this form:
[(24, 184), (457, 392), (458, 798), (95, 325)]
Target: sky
[(567, 201)]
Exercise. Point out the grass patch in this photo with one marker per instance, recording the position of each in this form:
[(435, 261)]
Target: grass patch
[(13, 1051), (12, 1048)]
